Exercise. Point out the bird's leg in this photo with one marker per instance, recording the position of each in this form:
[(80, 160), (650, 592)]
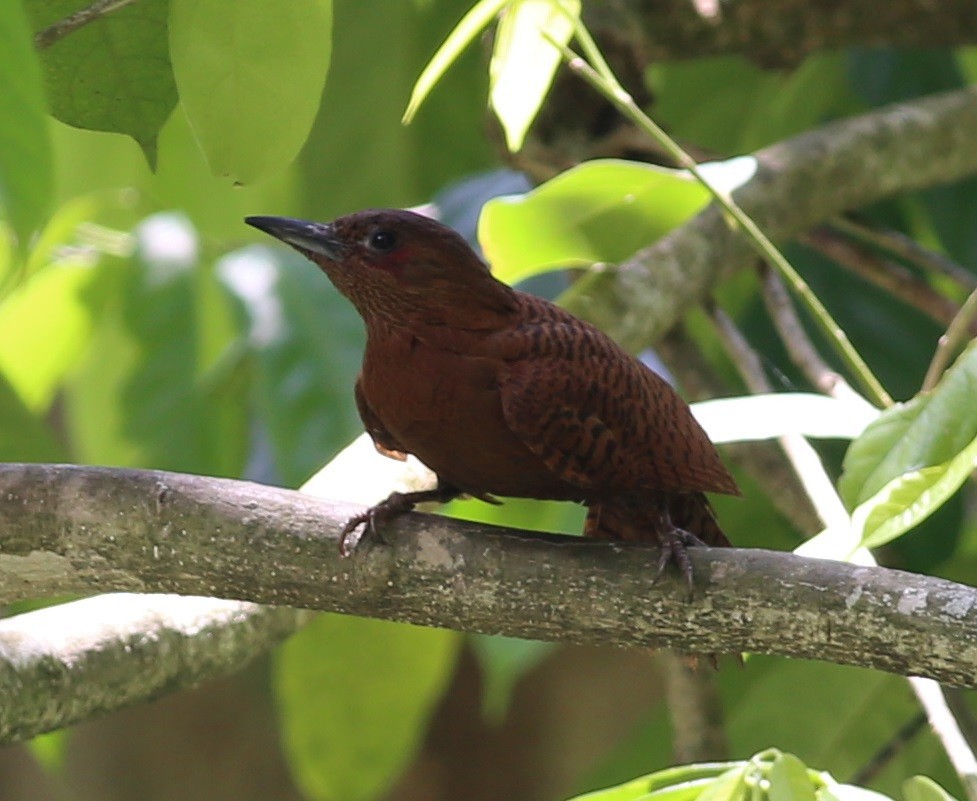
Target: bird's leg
[(673, 542), (397, 503)]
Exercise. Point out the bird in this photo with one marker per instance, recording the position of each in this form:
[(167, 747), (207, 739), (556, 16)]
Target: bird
[(502, 393)]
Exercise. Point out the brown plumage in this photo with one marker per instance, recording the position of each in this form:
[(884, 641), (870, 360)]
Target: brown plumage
[(502, 393)]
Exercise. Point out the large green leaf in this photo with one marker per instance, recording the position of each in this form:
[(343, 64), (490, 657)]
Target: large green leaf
[(524, 61), (24, 437), (600, 211), (112, 74), (25, 148), (730, 104), (355, 696), (360, 154), (307, 341), (45, 325), (250, 77), (162, 383), (932, 429), (471, 25), (909, 499)]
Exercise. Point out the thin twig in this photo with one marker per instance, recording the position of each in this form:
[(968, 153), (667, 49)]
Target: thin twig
[(803, 458), (947, 730), (79, 19), (907, 249), (889, 750), (811, 472), (604, 82), (956, 335), (695, 709), (891, 276), (799, 346), (763, 459)]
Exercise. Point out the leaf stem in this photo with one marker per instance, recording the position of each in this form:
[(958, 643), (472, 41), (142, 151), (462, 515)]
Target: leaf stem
[(604, 82), (956, 334)]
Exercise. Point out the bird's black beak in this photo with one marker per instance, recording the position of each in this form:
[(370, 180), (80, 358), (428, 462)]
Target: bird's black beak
[(303, 235)]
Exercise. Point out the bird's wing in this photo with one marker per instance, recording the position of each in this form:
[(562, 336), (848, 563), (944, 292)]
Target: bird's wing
[(383, 440), (605, 422)]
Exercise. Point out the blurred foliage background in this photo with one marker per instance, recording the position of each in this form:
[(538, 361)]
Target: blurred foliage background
[(142, 324)]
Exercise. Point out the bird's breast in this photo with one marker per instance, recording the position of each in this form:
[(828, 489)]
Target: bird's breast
[(446, 409)]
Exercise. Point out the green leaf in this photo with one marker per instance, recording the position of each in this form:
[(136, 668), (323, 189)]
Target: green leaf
[(161, 384), (524, 61), (679, 783), (932, 429), (472, 24), (24, 437), (112, 74), (25, 146), (730, 786), (850, 792), (365, 154), (923, 788), (600, 211), (730, 104), (789, 780), (909, 499), (354, 697), (504, 660), (250, 77), (308, 344), (45, 325)]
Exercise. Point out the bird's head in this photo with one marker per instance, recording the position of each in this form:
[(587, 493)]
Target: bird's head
[(399, 267)]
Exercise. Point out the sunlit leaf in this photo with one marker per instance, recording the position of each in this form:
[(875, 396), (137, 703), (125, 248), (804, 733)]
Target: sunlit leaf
[(600, 211), (679, 783), (789, 780), (755, 417), (923, 788), (850, 792), (45, 325), (472, 24), (25, 147), (525, 59), (909, 499), (354, 697), (114, 73), (250, 77), (929, 430)]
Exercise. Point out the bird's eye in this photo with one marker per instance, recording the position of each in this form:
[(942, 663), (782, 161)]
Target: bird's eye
[(383, 240)]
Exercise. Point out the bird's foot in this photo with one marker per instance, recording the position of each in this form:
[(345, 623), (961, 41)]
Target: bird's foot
[(674, 542), (397, 503)]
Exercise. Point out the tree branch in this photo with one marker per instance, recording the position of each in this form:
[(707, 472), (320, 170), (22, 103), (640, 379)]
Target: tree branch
[(783, 32), (799, 183), (63, 664), (83, 529)]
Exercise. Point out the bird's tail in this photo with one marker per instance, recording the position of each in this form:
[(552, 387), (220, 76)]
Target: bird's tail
[(641, 517)]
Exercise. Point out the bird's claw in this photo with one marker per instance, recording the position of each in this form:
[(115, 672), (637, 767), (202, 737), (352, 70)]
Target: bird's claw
[(674, 543), (349, 539)]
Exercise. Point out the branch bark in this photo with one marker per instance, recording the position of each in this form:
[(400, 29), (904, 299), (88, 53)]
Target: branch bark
[(799, 183), (74, 529), (783, 32)]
